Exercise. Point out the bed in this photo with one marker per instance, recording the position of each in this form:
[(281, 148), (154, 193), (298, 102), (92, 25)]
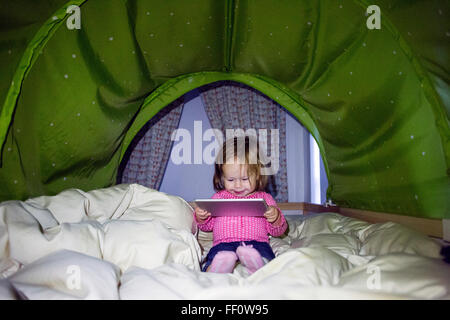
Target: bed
[(131, 242)]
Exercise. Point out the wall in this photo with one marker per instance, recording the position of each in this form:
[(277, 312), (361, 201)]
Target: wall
[(194, 180)]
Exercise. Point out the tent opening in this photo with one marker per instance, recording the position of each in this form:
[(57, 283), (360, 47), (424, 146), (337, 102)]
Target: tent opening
[(174, 151)]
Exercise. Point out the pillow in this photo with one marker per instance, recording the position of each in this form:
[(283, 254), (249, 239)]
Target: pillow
[(326, 223), (342, 244), (74, 205), (147, 203), (149, 244), (124, 201), (8, 267), (375, 239), (28, 242), (67, 275), (172, 281), (156, 228), (279, 245), (389, 237), (7, 291), (33, 233), (401, 274), (303, 267), (72, 219)]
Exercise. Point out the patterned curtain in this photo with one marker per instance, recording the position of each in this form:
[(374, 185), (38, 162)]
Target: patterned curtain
[(231, 105), (148, 154)]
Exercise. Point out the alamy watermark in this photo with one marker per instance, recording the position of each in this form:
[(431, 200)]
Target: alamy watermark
[(186, 146), (73, 281), (373, 21), (74, 20), (374, 280)]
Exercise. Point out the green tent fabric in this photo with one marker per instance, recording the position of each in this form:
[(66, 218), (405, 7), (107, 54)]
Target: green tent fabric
[(376, 100)]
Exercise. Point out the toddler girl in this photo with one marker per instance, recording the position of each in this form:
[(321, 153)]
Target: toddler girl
[(240, 238)]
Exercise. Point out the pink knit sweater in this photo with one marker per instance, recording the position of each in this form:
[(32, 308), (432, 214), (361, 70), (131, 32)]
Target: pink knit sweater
[(240, 228)]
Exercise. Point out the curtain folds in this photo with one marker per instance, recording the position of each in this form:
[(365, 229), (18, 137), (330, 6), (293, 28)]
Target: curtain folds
[(150, 150)]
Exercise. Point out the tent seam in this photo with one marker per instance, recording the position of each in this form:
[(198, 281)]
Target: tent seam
[(422, 74), (29, 57)]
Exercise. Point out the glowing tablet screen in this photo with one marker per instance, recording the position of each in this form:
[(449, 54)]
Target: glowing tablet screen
[(233, 207)]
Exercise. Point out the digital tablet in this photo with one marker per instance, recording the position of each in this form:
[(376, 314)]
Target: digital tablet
[(233, 207)]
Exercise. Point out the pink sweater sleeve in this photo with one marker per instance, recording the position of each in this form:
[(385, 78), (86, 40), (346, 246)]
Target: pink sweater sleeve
[(280, 228), (206, 226)]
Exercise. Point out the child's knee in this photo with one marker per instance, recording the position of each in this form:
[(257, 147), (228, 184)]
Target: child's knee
[(223, 262)]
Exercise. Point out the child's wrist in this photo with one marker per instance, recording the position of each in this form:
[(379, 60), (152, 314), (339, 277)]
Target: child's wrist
[(277, 221)]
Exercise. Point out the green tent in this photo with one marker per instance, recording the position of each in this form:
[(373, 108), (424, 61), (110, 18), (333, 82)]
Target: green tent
[(375, 99)]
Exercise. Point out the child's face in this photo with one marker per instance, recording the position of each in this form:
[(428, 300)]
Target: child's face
[(237, 181)]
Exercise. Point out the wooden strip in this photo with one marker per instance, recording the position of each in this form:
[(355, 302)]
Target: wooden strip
[(306, 207), (291, 205)]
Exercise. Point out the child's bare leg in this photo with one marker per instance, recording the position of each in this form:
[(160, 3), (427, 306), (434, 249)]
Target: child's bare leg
[(250, 258)]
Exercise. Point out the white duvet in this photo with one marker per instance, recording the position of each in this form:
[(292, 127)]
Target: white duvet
[(131, 242)]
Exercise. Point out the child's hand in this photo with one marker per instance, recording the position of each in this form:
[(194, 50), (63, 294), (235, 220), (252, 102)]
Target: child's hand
[(201, 215), (272, 214)]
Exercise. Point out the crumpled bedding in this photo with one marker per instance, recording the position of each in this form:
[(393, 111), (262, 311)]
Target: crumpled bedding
[(131, 242)]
